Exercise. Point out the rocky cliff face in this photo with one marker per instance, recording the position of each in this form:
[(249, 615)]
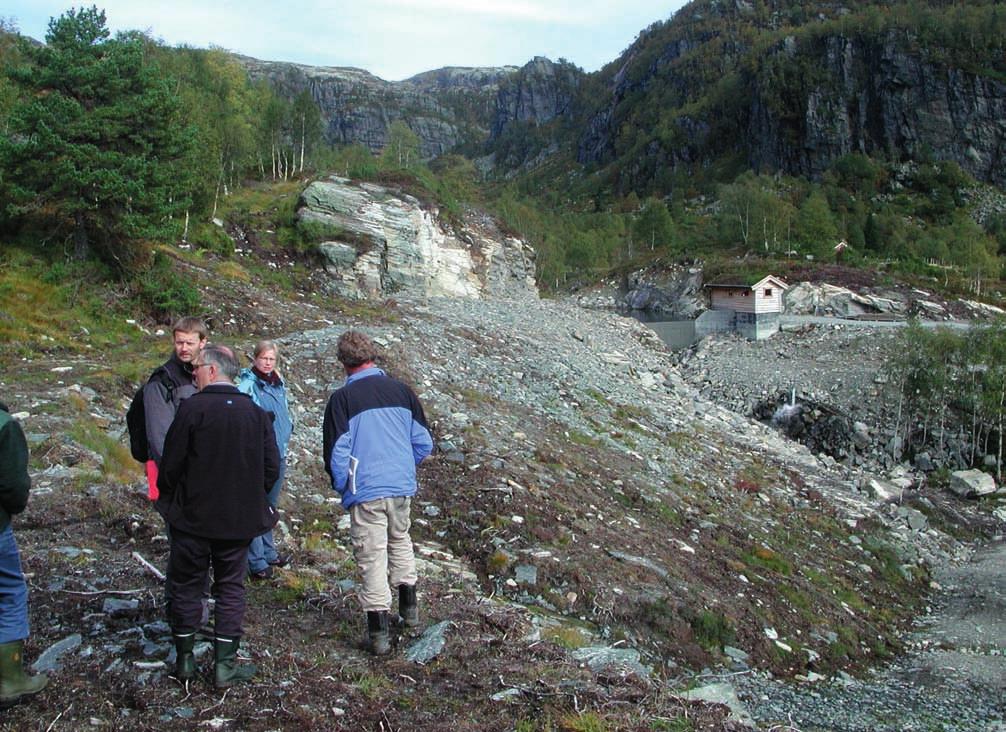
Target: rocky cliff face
[(712, 82), (538, 93), (382, 243), (445, 108), (597, 141), (794, 107), (874, 96)]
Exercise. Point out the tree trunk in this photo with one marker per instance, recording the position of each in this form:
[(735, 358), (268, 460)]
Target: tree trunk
[(897, 418), (220, 182), (81, 247), (303, 141), (216, 194), (999, 455), (975, 421), (744, 219)]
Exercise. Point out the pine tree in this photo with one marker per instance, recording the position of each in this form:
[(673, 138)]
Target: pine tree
[(95, 140)]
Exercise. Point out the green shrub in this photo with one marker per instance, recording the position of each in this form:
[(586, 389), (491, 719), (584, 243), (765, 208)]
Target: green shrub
[(712, 630), (165, 293), (212, 238), (767, 559)]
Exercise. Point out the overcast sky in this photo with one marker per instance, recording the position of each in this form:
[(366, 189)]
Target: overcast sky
[(393, 39)]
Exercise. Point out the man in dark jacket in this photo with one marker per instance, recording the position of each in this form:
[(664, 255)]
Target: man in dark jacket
[(168, 386), (220, 460), (15, 684), (374, 436)]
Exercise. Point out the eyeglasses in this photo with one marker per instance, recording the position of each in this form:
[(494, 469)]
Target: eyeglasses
[(199, 365)]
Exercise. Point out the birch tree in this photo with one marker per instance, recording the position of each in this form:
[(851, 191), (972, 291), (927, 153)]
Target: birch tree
[(305, 117)]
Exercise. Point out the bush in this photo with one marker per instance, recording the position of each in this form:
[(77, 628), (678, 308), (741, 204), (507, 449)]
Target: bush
[(712, 630), (859, 173), (211, 237), (163, 292)]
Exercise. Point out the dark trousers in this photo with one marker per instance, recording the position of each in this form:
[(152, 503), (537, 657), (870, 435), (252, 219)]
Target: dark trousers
[(188, 572)]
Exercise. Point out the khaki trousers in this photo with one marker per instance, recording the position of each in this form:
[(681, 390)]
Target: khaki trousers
[(382, 548)]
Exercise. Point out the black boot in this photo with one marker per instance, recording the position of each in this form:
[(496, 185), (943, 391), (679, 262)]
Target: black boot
[(408, 606), (377, 632), (15, 684), (185, 662), (227, 670)]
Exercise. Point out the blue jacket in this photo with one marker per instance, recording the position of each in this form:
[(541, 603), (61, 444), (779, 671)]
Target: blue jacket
[(374, 436), (273, 400)]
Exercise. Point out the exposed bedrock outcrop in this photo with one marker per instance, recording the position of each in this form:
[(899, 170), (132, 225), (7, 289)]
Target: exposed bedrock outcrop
[(378, 242)]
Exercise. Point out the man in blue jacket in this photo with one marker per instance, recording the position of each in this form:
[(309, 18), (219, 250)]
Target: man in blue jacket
[(375, 434)]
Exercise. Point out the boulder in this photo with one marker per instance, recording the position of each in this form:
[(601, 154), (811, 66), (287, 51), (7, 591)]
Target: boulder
[(671, 294), (972, 483), (861, 434), (924, 462), (883, 490), (806, 298)]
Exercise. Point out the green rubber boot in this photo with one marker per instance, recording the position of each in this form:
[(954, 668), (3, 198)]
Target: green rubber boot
[(185, 663), (378, 634), (15, 684), (408, 606), (227, 670)]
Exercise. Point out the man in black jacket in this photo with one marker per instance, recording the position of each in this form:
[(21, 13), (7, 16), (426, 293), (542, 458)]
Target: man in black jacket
[(220, 460), (15, 684)]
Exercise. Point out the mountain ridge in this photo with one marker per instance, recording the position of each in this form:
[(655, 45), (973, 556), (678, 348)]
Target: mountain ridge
[(721, 79)]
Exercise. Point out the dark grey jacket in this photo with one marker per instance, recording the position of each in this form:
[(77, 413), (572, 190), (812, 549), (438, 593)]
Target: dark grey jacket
[(14, 479), (159, 410)]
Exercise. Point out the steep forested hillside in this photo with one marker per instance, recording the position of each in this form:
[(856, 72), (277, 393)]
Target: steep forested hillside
[(781, 128), (769, 129), (791, 87)]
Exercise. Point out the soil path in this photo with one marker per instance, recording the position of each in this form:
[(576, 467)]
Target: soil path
[(965, 636)]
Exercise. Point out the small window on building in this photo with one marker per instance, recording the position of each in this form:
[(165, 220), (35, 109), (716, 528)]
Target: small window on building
[(768, 292)]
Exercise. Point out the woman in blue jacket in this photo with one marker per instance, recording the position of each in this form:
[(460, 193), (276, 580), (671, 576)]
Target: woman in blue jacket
[(265, 386)]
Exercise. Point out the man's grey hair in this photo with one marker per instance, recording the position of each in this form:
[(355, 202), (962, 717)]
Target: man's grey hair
[(223, 358)]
